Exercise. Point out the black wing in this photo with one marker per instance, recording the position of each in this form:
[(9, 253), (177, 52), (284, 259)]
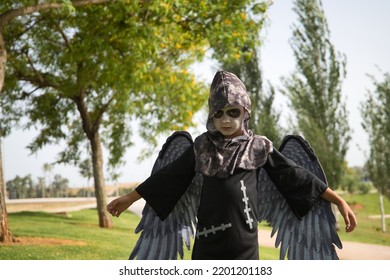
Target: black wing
[(312, 237), (163, 240)]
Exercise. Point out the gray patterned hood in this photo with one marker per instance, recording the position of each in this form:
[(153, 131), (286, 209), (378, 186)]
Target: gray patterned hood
[(227, 89), (220, 157)]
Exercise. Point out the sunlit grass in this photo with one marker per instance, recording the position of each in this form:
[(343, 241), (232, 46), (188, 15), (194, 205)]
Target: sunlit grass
[(80, 227), (84, 239)]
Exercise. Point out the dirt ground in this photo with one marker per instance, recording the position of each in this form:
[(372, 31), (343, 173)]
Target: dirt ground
[(24, 240)]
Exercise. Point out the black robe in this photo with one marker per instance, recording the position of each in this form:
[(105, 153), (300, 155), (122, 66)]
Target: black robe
[(227, 220), (227, 215)]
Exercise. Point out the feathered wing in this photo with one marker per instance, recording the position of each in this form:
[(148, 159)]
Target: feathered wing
[(163, 240), (312, 237)]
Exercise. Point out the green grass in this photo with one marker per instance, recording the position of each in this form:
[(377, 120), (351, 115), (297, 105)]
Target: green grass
[(369, 230), (91, 242), (86, 241)]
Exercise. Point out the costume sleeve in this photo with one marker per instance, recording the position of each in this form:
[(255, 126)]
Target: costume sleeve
[(163, 189), (300, 187)]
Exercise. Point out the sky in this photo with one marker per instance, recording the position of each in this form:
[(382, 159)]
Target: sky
[(358, 29)]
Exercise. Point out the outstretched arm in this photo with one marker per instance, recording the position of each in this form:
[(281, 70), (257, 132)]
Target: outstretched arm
[(171, 176), (345, 210), (117, 206)]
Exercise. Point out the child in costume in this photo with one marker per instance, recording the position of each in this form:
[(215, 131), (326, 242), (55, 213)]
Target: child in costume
[(229, 157)]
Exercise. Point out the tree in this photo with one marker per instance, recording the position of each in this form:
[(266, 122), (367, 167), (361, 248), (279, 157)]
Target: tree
[(25, 187), (354, 179), (60, 186), (376, 121), (47, 170), (314, 89), (96, 68), (17, 187), (5, 232), (41, 187), (9, 10)]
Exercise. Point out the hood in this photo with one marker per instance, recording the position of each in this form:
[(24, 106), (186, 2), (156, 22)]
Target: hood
[(214, 154), (227, 89)]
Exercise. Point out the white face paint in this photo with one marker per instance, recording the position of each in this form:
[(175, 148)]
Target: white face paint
[(229, 121)]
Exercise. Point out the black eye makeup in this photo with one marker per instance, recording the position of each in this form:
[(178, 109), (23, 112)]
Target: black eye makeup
[(233, 113)]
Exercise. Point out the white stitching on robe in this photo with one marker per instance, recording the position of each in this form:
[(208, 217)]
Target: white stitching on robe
[(213, 230), (247, 209)]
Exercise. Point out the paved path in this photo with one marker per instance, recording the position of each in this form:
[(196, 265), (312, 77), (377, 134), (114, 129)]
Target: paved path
[(350, 251)]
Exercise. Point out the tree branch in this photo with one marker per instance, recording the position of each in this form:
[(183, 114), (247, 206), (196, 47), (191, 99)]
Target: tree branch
[(9, 15), (102, 110), (85, 119), (39, 79)]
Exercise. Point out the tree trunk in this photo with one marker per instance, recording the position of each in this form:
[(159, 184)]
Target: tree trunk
[(3, 60), (5, 232), (6, 17), (92, 132), (382, 208), (100, 193)]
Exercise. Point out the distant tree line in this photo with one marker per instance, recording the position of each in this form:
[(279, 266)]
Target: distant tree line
[(44, 187), (355, 180), (26, 187)]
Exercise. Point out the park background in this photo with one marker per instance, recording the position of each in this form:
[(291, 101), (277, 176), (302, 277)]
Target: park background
[(357, 28)]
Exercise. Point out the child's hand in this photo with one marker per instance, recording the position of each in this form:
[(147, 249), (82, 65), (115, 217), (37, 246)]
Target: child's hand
[(117, 206), (345, 210), (348, 215)]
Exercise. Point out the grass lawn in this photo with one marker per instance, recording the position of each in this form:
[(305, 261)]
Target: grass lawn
[(76, 237), (369, 229), (45, 236)]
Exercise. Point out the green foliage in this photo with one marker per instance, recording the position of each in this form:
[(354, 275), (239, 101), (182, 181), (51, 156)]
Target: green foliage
[(266, 118), (376, 121), (97, 68), (83, 73), (314, 89), (26, 187), (355, 179)]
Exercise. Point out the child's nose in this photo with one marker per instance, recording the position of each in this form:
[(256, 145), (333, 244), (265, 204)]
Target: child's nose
[(225, 118)]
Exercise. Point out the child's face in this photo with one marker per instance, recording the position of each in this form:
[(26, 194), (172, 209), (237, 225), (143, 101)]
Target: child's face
[(229, 120)]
